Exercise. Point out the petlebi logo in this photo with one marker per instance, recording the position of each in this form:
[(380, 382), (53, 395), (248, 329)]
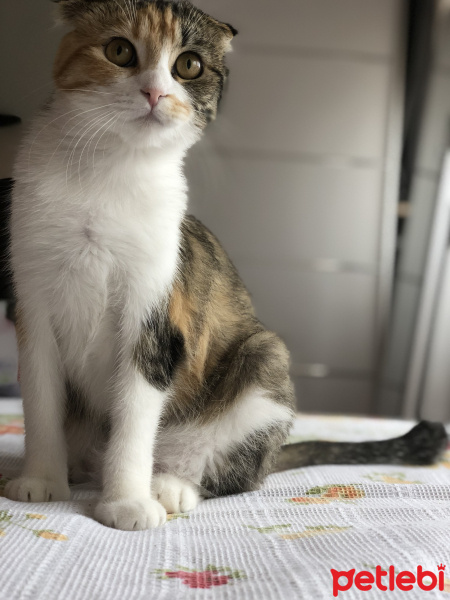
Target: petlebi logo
[(389, 579)]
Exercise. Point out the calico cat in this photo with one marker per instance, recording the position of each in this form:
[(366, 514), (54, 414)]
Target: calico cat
[(141, 355)]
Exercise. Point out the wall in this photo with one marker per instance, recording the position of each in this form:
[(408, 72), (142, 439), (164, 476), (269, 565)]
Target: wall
[(28, 43)]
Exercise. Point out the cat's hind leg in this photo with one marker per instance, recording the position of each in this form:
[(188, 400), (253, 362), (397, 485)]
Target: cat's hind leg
[(230, 439), (248, 441), (256, 419)]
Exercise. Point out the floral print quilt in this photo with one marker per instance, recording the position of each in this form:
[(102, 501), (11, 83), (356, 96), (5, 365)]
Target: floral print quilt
[(281, 542)]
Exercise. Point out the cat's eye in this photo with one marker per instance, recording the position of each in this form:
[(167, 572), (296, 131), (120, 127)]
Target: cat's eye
[(189, 65), (121, 52)]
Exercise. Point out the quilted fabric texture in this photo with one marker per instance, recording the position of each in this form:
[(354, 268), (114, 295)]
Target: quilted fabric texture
[(280, 542)]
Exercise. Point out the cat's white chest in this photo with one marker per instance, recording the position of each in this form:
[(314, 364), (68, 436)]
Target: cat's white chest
[(99, 257)]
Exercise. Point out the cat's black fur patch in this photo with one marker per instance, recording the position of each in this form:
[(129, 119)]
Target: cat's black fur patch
[(245, 466), (76, 405), (159, 351)]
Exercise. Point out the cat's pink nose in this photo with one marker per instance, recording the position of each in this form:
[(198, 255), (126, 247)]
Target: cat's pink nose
[(153, 95)]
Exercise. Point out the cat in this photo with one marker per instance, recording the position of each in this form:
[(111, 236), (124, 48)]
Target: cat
[(142, 360)]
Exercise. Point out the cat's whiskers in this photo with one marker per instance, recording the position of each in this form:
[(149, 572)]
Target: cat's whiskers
[(86, 91), (91, 140), (108, 116), (79, 113), (98, 141), (48, 125), (82, 133), (84, 126), (73, 127), (114, 118), (83, 130)]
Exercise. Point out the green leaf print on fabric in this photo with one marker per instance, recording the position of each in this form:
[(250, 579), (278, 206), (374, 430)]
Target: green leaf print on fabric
[(6, 521)]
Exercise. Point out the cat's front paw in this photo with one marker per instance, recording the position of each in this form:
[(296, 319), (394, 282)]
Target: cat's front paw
[(130, 515), (175, 494), (35, 489)]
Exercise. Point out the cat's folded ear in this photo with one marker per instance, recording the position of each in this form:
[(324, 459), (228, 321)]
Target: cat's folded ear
[(228, 31), (226, 28)]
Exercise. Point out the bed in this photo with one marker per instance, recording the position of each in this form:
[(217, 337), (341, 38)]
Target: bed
[(280, 542)]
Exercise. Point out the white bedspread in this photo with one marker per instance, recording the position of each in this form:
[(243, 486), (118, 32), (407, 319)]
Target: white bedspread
[(280, 542)]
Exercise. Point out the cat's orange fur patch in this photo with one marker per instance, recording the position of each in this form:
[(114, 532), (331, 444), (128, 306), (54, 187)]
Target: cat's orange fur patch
[(156, 29), (181, 313), (177, 108), (79, 64)]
